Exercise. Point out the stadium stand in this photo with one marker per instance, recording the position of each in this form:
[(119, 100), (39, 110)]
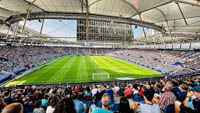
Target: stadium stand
[(168, 62), (151, 95), (112, 70), (16, 60)]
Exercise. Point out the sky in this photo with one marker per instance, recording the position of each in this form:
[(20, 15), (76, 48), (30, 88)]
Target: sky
[(64, 28), (54, 28)]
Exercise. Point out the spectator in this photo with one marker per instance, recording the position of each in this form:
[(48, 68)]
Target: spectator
[(38, 107), (2, 104), (53, 102), (13, 108), (149, 106), (183, 92), (188, 106), (116, 89), (8, 99), (78, 104), (94, 90), (99, 95), (128, 92), (109, 91), (124, 106), (167, 97), (105, 105), (66, 105), (45, 101)]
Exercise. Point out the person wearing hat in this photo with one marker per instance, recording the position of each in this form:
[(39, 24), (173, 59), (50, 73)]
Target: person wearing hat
[(189, 105)]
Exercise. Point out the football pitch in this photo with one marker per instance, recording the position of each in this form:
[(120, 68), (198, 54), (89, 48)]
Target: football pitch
[(79, 69)]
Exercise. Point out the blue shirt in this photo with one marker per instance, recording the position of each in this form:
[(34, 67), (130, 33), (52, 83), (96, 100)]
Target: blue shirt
[(100, 110), (44, 102), (190, 105), (182, 96), (79, 106), (110, 92)]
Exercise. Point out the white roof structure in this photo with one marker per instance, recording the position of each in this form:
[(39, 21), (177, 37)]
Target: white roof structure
[(180, 15)]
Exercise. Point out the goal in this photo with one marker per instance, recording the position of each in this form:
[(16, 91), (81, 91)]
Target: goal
[(100, 76)]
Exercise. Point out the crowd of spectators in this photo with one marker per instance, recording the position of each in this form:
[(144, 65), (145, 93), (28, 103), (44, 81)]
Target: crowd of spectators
[(14, 60), (168, 62), (170, 95)]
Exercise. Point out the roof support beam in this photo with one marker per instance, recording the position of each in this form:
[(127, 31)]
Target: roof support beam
[(42, 26), (7, 10), (152, 8), (143, 27), (182, 14), (82, 16), (184, 2), (94, 2), (8, 32), (170, 32), (130, 5), (35, 5), (82, 3), (161, 12), (121, 0), (28, 13)]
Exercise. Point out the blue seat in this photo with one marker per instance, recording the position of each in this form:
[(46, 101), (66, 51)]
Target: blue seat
[(138, 99), (88, 104), (170, 109), (98, 103), (115, 108)]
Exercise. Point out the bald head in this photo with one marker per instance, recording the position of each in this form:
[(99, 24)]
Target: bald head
[(13, 108)]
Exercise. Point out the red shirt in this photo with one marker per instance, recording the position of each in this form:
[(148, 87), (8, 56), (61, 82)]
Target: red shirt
[(128, 91)]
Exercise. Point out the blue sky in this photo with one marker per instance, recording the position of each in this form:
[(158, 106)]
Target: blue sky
[(54, 28), (63, 28)]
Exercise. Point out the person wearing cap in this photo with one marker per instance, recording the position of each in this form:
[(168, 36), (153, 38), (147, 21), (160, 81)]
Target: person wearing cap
[(189, 106), (105, 100)]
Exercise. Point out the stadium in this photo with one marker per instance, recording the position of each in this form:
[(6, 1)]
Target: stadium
[(92, 56)]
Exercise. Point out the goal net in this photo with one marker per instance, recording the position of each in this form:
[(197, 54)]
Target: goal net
[(100, 76)]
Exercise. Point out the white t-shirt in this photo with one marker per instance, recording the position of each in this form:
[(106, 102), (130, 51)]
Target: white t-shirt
[(94, 91), (146, 108), (135, 91), (50, 109), (116, 88)]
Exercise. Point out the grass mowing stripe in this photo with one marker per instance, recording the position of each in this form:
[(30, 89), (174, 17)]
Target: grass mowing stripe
[(31, 75), (76, 69), (82, 71), (125, 67), (104, 64), (51, 72), (69, 65), (62, 68)]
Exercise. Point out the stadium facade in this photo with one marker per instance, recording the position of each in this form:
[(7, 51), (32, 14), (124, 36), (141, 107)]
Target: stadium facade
[(104, 31)]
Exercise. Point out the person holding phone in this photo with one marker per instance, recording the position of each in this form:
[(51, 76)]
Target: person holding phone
[(189, 105)]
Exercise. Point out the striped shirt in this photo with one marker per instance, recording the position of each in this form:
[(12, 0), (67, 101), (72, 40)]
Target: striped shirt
[(166, 99)]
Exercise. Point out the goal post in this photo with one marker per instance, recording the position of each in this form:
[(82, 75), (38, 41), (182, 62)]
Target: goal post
[(100, 76)]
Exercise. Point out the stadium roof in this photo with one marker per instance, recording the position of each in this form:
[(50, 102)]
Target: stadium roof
[(176, 15)]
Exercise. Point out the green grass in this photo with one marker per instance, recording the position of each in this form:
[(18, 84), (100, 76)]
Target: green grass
[(78, 69)]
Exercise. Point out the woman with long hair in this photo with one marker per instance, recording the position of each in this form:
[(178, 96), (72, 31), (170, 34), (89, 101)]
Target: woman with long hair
[(53, 102), (124, 106), (66, 105)]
